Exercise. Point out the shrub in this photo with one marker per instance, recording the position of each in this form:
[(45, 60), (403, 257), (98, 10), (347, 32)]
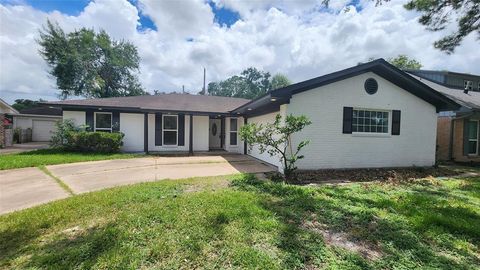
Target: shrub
[(102, 142), (63, 129)]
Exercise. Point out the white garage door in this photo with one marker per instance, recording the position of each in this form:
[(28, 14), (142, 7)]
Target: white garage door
[(255, 151), (42, 130)]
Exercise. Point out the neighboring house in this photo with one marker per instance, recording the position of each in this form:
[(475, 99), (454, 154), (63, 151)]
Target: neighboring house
[(6, 133), (454, 80), (458, 133), (370, 115), (40, 120)]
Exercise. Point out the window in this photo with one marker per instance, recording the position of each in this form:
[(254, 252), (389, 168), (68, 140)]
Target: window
[(103, 121), (170, 129), (369, 121), (233, 131), (473, 137)]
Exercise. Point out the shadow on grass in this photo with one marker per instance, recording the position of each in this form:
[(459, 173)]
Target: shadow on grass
[(413, 229)]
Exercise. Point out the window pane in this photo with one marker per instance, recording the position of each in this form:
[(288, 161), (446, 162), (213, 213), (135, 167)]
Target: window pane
[(472, 147), (370, 121), (170, 137), (170, 122), (103, 120), (233, 124), (472, 130), (233, 138)]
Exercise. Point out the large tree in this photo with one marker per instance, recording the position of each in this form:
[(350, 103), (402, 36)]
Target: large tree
[(403, 62), (438, 14), (251, 83), (22, 104), (90, 64)]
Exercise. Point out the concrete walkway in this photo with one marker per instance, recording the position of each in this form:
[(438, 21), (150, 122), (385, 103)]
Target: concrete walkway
[(23, 147), (22, 188)]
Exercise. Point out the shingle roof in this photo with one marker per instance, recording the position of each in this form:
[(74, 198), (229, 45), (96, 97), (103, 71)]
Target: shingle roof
[(167, 102), (43, 110), (470, 100)]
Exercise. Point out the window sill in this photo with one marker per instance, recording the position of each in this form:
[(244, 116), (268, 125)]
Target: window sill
[(378, 135)]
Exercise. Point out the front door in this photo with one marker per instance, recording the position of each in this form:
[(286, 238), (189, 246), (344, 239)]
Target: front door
[(215, 134)]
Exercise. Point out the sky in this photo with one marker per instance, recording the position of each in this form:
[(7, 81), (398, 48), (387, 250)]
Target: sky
[(176, 39)]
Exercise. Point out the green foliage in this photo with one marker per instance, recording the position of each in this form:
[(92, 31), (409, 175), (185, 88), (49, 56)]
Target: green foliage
[(279, 81), (63, 129), (55, 156), (403, 62), (90, 64), (437, 15), (251, 83), (97, 142), (275, 139), (21, 104)]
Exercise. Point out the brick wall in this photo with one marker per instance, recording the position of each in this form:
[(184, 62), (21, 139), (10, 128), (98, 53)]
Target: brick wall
[(444, 130), (458, 144), (2, 131)]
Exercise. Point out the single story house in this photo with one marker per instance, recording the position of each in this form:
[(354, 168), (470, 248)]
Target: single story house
[(369, 115), (458, 136), (40, 121)]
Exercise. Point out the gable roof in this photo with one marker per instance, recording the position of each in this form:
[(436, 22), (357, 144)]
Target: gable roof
[(163, 102), (471, 100), (6, 108), (379, 67)]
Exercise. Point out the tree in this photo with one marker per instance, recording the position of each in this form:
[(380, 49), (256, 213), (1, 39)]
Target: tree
[(275, 139), (279, 81), (438, 14), (21, 104), (90, 64), (403, 62), (251, 83)]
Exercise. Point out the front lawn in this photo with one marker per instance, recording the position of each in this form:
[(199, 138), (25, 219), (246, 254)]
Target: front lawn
[(243, 223), (52, 156)]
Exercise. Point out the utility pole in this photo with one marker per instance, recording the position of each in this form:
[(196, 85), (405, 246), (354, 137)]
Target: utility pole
[(204, 91)]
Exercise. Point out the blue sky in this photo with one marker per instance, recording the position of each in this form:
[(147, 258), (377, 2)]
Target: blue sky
[(223, 16), (301, 39)]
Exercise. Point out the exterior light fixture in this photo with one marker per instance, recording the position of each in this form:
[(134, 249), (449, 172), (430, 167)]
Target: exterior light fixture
[(249, 109), (273, 99)]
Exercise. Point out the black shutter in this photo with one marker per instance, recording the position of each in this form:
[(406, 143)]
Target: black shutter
[(465, 137), (89, 120), (158, 129), (181, 129), (116, 121), (396, 122), (347, 120)]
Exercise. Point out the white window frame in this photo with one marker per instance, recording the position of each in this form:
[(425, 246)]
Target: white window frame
[(230, 131), (374, 134), (475, 140), (95, 122), (163, 130)]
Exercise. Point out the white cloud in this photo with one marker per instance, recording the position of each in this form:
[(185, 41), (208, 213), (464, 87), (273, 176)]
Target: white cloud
[(297, 39)]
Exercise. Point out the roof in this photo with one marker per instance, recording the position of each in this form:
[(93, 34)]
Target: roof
[(163, 102), (274, 98), (42, 110), (6, 107), (442, 72), (471, 100)]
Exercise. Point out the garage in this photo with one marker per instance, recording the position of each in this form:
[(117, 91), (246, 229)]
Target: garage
[(42, 130)]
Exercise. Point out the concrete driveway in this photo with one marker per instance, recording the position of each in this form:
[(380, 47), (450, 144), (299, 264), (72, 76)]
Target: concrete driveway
[(22, 188), (24, 147)]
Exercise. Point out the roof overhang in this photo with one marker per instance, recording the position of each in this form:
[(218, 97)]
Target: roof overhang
[(379, 67)]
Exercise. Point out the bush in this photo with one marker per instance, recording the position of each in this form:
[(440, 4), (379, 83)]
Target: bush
[(63, 129), (101, 142), (72, 138)]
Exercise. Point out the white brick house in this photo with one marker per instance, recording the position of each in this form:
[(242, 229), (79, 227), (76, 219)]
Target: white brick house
[(370, 115)]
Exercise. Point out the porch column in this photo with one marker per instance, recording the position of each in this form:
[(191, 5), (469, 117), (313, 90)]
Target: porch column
[(190, 141), (244, 142), (145, 133)]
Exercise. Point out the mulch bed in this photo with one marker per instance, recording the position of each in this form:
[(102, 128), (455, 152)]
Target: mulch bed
[(364, 175)]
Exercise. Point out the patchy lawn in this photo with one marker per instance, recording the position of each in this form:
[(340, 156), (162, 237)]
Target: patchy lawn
[(209, 223), (52, 156)]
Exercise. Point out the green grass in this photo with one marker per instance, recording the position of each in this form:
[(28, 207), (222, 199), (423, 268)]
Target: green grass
[(206, 223), (44, 157)]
